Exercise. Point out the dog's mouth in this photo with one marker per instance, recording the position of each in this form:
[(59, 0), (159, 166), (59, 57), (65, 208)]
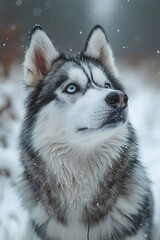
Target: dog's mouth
[(115, 118)]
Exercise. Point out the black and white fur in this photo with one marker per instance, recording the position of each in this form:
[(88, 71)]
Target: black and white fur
[(82, 177)]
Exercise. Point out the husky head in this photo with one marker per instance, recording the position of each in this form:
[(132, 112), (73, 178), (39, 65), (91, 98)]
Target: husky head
[(73, 99)]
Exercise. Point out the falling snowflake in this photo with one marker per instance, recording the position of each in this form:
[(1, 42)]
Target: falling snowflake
[(37, 11), (19, 2), (13, 27)]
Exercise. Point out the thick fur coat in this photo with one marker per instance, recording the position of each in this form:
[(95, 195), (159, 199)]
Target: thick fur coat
[(82, 176)]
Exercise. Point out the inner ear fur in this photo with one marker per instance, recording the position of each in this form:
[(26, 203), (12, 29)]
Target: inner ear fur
[(40, 54), (97, 46)]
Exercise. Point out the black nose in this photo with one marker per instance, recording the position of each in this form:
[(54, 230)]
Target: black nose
[(117, 99)]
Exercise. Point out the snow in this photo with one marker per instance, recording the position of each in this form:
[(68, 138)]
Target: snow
[(13, 27), (37, 11), (19, 2), (144, 99), (13, 219)]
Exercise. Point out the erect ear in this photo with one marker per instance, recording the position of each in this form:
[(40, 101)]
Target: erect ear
[(39, 56), (97, 46)]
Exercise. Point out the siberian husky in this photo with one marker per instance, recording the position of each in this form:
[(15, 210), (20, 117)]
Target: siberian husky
[(82, 176)]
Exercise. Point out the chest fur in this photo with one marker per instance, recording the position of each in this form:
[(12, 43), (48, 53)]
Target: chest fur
[(70, 199)]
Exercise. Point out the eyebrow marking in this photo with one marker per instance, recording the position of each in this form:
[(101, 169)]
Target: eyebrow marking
[(92, 82), (60, 81), (77, 74), (98, 78), (85, 72)]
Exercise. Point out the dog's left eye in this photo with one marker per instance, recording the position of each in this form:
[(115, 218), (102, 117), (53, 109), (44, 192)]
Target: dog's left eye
[(107, 85), (71, 88)]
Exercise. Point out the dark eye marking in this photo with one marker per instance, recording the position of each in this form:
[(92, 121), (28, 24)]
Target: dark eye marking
[(107, 85), (60, 81)]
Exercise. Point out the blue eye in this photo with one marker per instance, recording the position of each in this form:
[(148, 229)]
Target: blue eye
[(71, 88)]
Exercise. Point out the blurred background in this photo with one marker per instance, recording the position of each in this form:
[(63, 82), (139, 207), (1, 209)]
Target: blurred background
[(133, 30)]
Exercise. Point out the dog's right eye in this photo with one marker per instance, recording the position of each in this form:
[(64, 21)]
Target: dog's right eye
[(107, 85), (71, 88)]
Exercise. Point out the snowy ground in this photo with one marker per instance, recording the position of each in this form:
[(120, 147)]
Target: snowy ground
[(144, 114)]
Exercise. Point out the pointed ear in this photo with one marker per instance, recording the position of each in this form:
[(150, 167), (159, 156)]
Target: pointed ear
[(97, 46), (40, 54)]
